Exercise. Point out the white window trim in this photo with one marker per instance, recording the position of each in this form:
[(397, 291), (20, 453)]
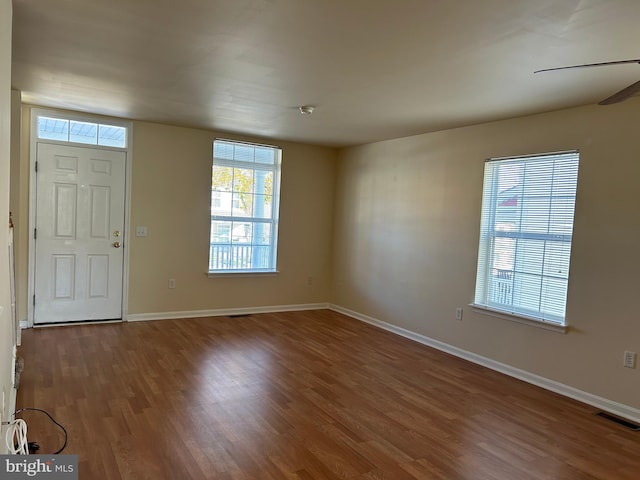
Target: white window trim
[(519, 318), (242, 273), (274, 220), (81, 117)]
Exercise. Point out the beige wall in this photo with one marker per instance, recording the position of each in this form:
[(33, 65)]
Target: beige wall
[(406, 241), (19, 198), (170, 195), (6, 332), (18, 206)]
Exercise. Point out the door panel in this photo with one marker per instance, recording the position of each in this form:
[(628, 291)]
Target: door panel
[(79, 223), (98, 276), (66, 199), (99, 210), (64, 276)]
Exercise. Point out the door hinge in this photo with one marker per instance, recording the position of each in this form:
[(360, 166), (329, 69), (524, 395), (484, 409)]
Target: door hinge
[(36, 167), (34, 300), (35, 233)]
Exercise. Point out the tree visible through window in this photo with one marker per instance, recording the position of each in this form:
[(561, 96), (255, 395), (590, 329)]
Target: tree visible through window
[(525, 235), (245, 190)]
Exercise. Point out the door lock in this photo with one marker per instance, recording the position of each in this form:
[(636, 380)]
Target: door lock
[(116, 233)]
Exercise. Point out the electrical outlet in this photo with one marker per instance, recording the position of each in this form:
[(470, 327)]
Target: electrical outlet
[(459, 313), (629, 359), (309, 280), (172, 283)]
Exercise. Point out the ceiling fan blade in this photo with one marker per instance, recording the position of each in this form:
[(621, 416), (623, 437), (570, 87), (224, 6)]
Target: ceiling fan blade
[(623, 94), (586, 65)]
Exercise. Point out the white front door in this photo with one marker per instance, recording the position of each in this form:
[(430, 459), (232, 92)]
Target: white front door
[(80, 203)]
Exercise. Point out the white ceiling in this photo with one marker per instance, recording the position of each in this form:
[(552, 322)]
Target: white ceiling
[(374, 69)]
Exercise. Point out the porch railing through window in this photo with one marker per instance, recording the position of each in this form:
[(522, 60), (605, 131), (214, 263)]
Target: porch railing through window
[(238, 257), (501, 287)]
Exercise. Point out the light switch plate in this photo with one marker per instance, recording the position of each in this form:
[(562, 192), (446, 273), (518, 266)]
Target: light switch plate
[(141, 231)]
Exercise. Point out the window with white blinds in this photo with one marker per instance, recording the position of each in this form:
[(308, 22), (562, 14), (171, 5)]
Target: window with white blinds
[(525, 235)]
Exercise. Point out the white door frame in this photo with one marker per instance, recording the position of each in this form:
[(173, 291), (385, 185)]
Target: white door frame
[(33, 141)]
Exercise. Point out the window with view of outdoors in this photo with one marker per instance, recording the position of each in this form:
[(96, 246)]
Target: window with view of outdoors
[(245, 192), (75, 131), (525, 235)]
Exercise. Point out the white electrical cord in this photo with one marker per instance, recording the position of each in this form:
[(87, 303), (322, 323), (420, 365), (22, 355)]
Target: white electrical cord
[(17, 437)]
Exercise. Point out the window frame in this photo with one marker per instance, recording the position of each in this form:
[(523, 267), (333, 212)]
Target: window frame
[(272, 220), (486, 268), (97, 122)]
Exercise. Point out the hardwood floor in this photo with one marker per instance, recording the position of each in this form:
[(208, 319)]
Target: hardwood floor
[(300, 395)]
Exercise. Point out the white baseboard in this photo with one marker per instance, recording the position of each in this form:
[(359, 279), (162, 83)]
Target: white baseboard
[(223, 312), (605, 404)]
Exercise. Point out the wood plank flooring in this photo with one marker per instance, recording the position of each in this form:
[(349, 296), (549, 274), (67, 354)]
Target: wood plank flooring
[(300, 396)]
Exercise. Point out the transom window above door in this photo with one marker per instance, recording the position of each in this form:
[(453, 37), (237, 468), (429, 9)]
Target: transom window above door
[(75, 131)]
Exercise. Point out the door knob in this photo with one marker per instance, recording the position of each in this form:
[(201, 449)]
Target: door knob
[(116, 244)]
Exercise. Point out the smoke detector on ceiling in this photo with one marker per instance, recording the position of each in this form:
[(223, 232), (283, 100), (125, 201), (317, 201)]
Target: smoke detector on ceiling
[(306, 109)]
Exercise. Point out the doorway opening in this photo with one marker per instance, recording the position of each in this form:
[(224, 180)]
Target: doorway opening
[(79, 208)]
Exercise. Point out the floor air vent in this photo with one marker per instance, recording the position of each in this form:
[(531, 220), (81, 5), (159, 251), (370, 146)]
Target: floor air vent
[(620, 421)]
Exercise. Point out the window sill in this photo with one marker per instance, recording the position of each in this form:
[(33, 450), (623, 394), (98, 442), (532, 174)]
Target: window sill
[(237, 274), (532, 322)]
